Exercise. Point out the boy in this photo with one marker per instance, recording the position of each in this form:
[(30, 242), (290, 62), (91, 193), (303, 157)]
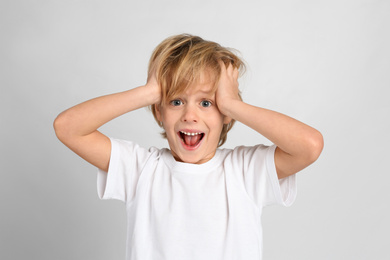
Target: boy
[(192, 201)]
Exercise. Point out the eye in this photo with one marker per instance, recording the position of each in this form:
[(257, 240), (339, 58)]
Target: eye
[(205, 103), (176, 102)]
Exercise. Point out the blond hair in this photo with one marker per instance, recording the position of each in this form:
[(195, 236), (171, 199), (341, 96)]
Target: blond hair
[(180, 60)]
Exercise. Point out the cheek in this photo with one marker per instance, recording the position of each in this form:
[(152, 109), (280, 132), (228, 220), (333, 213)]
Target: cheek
[(168, 120), (216, 124), (217, 119)]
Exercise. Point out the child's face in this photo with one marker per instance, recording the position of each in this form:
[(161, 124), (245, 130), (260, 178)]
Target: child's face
[(193, 124)]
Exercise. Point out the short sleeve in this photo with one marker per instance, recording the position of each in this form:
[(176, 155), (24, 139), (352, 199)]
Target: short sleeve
[(261, 180), (285, 189), (127, 160)]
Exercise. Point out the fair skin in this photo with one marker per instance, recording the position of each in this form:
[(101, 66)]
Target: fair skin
[(193, 123), (298, 145)]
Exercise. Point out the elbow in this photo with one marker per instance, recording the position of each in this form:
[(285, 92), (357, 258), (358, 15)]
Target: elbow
[(315, 146), (60, 127)]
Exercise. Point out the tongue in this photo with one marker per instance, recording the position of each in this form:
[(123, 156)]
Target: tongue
[(191, 140)]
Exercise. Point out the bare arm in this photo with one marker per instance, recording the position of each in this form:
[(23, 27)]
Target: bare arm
[(298, 145), (77, 126)]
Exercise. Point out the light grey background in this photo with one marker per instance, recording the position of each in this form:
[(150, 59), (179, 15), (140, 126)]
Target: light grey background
[(326, 63)]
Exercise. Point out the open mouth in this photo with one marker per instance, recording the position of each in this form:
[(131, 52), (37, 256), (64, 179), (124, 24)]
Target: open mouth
[(191, 139)]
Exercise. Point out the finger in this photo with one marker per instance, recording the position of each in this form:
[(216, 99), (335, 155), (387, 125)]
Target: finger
[(233, 70), (222, 65), (236, 73), (229, 68)]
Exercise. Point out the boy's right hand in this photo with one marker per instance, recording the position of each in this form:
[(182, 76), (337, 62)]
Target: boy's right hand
[(153, 84)]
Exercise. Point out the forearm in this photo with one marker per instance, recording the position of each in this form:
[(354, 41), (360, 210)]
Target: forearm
[(298, 144), (88, 116), (292, 136)]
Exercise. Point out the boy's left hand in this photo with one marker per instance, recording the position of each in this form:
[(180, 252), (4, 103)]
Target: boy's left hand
[(227, 87)]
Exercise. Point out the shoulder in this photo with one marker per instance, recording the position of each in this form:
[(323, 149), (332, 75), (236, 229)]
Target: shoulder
[(129, 149), (249, 158), (245, 152)]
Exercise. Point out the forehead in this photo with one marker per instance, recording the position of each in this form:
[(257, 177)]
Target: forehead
[(202, 88), (200, 82), (204, 84)]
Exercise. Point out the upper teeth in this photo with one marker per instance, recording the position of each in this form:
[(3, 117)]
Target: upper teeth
[(189, 133)]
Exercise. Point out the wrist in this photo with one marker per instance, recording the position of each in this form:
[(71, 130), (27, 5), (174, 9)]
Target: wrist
[(152, 93), (228, 106)]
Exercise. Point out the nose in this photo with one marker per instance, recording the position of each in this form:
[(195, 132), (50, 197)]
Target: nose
[(190, 114)]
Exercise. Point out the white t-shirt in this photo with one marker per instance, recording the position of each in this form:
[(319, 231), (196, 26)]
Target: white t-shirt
[(194, 211)]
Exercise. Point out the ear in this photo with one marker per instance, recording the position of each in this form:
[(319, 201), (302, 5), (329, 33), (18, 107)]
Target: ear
[(157, 111), (226, 120)]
